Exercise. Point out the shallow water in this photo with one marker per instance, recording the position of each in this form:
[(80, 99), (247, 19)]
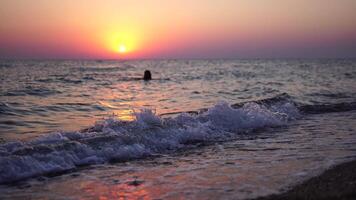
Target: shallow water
[(54, 147), (256, 164)]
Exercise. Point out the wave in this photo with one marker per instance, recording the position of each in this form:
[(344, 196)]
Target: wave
[(148, 135), (269, 103), (303, 108), (10, 109), (327, 108), (101, 69), (62, 79), (28, 90)]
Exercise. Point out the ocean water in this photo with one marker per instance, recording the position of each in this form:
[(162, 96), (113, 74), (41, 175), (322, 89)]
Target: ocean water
[(201, 129)]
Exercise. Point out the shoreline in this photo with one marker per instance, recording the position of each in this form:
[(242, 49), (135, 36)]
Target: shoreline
[(338, 182)]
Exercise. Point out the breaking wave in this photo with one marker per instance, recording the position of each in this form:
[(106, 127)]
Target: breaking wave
[(148, 135), (113, 140)]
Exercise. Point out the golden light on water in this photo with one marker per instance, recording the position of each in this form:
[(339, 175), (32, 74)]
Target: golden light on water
[(124, 114)]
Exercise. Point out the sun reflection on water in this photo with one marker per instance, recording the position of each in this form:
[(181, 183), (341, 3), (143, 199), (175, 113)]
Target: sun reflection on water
[(103, 191)]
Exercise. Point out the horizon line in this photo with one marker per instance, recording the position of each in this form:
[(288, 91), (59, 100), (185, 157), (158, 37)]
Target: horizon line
[(189, 58)]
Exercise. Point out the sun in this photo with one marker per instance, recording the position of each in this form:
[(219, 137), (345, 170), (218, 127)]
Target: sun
[(123, 42), (122, 48)]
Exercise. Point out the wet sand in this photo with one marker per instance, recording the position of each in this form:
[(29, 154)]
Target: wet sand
[(338, 182)]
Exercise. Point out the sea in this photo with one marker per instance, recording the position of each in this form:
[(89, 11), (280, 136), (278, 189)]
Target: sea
[(200, 129)]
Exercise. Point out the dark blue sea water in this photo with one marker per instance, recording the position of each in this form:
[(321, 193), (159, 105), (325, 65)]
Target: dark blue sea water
[(91, 129)]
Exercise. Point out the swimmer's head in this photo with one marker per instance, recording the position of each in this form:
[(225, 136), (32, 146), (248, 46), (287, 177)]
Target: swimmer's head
[(147, 75)]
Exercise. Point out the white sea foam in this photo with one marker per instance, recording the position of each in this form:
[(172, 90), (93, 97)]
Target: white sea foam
[(149, 134)]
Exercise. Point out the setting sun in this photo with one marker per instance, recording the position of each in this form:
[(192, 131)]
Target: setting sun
[(122, 41), (122, 48)]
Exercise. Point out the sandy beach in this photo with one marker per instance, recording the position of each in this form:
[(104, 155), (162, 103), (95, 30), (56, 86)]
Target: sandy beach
[(338, 182)]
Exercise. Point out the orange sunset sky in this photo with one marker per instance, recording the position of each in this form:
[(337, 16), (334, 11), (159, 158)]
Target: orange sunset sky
[(118, 29)]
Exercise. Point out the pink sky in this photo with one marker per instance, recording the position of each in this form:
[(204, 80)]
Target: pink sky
[(177, 29)]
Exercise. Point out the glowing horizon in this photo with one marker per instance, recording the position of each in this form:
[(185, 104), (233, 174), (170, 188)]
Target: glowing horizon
[(118, 29)]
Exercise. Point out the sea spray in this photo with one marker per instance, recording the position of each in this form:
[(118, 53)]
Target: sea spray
[(148, 134)]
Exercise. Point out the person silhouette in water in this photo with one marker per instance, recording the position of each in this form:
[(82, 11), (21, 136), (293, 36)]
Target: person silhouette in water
[(147, 75)]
